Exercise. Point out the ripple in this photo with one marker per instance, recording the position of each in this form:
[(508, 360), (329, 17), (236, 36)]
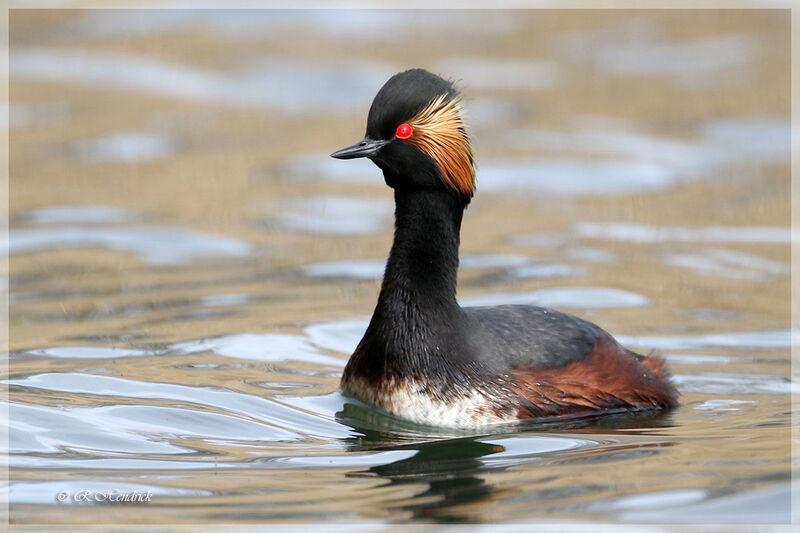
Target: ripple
[(341, 336), (652, 234), (82, 352), (697, 359), (757, 339), (298, 86), (574, 176), (637, 48), (227, 299), (593, 255), (628, 160), (337, 215), (315, 165), (492, 260), (157, 245), (721, 405), (762, 139), (279, 84), (281, 422), (514, 74), (78, 214), (658, 500), (368, 25), (38, 114), (541, 240), (132, 430), (736, 384), (124, 147), (118, 71), (729, 264), (49, 430), (770, 505), (159, 422), (273, 347), (599, 135), (346, 461), (356, 269), (547, 270), (516, 449), (326, 405), (159, 462), (577, 297)]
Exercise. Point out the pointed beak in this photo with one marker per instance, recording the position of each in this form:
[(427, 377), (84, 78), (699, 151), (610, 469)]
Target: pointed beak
[(366, 148)]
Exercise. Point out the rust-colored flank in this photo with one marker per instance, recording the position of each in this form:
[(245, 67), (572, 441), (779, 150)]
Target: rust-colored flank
[(439, 132), (607, 379)]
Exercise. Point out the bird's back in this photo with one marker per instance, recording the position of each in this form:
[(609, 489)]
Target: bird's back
[(525, 335)]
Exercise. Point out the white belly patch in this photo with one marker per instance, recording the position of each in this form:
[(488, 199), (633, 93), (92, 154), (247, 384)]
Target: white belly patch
[(414, 401)]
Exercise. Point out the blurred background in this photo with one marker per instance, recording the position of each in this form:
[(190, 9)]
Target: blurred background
[(181, 244)]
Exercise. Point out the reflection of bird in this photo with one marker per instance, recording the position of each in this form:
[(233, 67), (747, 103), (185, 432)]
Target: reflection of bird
[(454, 473), (425, 358)]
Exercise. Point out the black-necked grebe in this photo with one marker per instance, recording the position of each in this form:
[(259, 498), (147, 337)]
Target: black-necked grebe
[(427, 359)]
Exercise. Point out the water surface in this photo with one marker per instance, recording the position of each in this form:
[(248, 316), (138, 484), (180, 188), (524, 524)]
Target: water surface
[(190, 270)]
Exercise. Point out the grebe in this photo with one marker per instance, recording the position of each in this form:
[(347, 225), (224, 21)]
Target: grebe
[(427, 359)]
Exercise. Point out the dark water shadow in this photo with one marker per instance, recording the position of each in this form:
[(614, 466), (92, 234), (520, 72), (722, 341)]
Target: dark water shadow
[(451, 469), (451, 465), (378, 429)]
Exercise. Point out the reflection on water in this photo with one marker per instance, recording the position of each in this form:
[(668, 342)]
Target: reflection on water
[(450, 469), (124, 146), (742, 339), (334, 214), (641, 160), (502, 74), (232, 23), (190, 269), (637, 47), (90, 214), (646, 234), (157, 245), (266, 347), (730, 264), (451, 473), (583, 297), (273, 85)]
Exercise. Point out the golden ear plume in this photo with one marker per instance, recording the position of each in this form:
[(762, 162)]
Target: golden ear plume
[(439, 132)]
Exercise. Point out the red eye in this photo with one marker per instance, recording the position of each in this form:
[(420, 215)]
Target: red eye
[(404, 131)]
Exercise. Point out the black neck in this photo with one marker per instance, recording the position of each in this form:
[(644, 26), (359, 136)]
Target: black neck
[(417, 304)]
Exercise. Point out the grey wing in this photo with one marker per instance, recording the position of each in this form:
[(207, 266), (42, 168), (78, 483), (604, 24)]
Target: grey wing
[(525, 335)]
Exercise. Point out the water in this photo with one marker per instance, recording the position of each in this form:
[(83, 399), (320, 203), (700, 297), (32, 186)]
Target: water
[(190, 270)]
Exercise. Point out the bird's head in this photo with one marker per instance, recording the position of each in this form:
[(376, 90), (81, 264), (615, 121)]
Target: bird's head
[(416, 135)]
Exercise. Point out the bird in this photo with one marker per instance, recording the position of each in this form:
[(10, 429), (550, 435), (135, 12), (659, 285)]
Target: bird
[(426, 359)]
